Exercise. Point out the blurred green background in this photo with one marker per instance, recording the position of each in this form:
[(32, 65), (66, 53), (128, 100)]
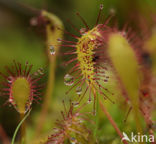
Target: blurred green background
[(23, 42)]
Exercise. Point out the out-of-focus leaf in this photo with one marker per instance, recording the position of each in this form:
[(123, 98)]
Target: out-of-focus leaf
[(54, 30), (125, 63)]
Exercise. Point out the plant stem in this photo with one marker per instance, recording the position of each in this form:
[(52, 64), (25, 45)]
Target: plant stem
[(22, 129), (47, 98), (21, 122), (112, 121)]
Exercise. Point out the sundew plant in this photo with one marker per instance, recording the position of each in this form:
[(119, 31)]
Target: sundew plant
[(78, 72)]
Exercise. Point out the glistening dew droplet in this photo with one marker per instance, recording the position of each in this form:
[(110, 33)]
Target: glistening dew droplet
[(10, 100), (59, 40), (101, 6), (52, 50), (40, 71), (79, 90), (83, 31), (75, 104), (68, 80), (10, 79), (73, 140), (89, 101), (81, 121)]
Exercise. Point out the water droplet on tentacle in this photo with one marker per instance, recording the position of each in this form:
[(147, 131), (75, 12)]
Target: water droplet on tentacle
[(73, 140), (10, 79), (89, 101), (79, 90), (26, 63), (52, 50), (10, 100), (68, 80), (34, 21), (75, 104), (36, 73), (27, 108), (40, 71), (83, 31), (59, 40), (101, 6)]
